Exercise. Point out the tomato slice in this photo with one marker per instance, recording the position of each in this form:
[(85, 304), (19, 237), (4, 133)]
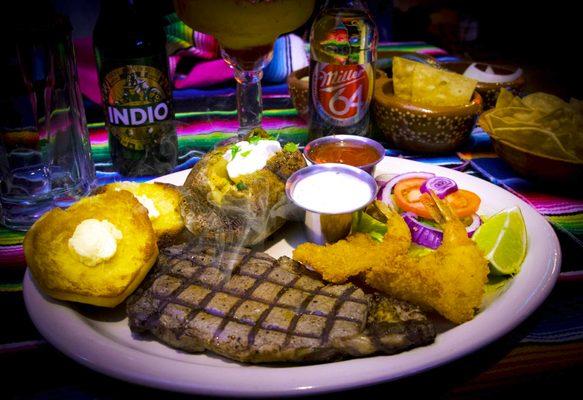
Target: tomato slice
[(463, 202), (408, 196)]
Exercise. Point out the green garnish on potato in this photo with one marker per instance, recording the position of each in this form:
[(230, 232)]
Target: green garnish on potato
[(234, 150), (241, 186), (290, 147)]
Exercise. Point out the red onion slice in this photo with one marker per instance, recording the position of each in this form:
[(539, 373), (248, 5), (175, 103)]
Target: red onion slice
[(473, 227), (381, 182), (430, 236), (385, 193), (440, 185), (422, 234), (384, 178)]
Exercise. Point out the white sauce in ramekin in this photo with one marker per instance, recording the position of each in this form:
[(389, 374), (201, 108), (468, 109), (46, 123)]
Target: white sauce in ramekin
[(331, 192)]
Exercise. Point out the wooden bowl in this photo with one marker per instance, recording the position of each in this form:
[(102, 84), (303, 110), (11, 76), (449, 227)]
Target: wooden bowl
[(538, 168), (419, 128), (298, 89), (490, 91)]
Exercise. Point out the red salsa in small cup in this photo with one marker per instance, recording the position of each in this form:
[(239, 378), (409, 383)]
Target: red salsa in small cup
[(349, 152)]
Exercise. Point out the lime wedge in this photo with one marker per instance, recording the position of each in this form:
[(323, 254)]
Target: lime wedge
[(502, 238)]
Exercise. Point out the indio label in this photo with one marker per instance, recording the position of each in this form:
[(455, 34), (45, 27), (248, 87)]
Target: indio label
[(137, 99), (342, 93)]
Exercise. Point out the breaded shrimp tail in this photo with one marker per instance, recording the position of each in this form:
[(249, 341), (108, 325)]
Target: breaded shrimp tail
[(359, 252), (450, 280), (339, 261)]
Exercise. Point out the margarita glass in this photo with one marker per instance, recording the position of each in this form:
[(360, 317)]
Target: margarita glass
[(246, 31)]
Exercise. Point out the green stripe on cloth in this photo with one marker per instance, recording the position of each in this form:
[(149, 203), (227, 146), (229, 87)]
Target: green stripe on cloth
[(283, 112), (208, 141), (8, 237), (10, 287), (572, 223), (178, 34), (409, 47), (100, 152)]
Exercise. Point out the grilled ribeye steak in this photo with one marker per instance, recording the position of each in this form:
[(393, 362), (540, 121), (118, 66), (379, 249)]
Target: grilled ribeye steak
[(249, 307)]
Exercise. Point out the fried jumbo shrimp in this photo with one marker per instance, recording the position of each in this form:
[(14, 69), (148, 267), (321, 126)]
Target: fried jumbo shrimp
[(359, 252), (450, 280)]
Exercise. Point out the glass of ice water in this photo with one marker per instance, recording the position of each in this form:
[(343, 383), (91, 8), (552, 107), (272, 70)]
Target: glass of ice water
[(45, 157)]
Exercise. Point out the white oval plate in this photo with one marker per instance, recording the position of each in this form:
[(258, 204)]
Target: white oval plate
[(102, 339)]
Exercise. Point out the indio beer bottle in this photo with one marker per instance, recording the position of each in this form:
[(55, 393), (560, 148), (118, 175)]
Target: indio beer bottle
[(130, 50), (343, 44)]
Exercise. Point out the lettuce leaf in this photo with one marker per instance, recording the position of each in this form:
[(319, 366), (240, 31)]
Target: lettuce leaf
[(362, 222)]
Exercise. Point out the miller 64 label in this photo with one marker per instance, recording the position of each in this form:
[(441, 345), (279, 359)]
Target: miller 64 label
[(342, 93), (137, 99)]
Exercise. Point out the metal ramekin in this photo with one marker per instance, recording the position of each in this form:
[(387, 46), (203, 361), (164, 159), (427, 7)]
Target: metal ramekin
[(324, 228), (370, 168)]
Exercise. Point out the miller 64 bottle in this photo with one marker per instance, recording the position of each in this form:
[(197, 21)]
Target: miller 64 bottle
[(130, 49), (343, 44)]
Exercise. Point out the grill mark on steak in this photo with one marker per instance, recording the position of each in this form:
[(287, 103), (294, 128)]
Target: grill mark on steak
[(229, 317), (251, 307), (207, 299), (215, 261), (332, 316), (185, 283), (317, 292), (296, 318), (264, 314), (291, 308)]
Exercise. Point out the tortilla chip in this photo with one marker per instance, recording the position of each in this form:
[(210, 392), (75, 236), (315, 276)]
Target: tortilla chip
[(540, 123), (546, 103), (517, 116), (576, 104), (507, 100), (505, 97), (432, 86), (403, 77)]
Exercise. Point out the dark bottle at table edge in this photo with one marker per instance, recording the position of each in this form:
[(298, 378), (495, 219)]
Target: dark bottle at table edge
[(130, 51), (343, 44)]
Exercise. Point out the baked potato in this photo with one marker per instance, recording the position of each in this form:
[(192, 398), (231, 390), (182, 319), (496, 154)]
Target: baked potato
[(243, 210), (61, 272)]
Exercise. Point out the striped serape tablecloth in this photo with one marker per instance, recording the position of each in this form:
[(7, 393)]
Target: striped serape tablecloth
[(207, 116)]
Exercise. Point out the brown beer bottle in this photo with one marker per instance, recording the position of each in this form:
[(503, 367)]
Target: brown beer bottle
[(130, 50), (343, 43)]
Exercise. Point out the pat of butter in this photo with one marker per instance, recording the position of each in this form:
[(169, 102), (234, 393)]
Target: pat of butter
[(147, 202), (250, 157), (144, 200), (94, 241)]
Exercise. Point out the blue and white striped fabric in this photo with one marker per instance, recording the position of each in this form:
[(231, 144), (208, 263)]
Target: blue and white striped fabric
[(289, 54)]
